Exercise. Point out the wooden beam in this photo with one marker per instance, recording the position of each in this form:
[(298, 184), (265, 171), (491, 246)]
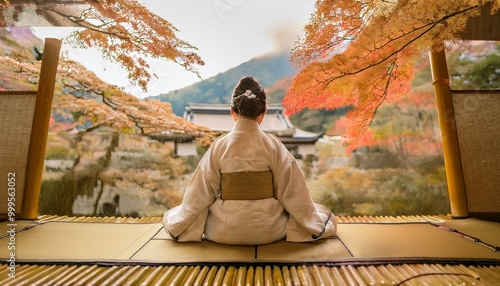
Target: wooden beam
[(39, 133), (451, 151)]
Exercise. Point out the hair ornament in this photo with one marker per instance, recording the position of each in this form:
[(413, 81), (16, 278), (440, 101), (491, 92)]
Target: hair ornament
[(249, 94)]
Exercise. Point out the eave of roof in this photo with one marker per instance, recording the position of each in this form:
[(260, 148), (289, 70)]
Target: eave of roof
[(288, 134), (172, 137)]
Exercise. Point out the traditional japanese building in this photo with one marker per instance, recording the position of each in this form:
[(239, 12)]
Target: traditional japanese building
[(218, 118)]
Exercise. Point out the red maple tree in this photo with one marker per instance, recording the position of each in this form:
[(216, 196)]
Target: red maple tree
[(360, 54)]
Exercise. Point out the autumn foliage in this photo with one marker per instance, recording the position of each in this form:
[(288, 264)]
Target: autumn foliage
[(83, 102), (109, 106), (126, 31), (123, 31), (360, 54)]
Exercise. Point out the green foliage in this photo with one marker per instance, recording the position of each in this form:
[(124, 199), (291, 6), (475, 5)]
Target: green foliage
[(53, 198), (477, 71), (275, 96), (57, 152), (317, 120)]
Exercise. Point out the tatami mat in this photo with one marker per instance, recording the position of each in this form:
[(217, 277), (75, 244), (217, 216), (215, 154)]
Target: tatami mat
[(17, 225), (282, 251), (487, 231), (165, 250), (321, 250), (162, 235), (358, 240), (408, 240), (80, 241), (148, 242)]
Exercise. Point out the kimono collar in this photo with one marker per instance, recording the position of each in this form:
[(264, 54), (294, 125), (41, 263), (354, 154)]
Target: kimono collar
[(246, 124)]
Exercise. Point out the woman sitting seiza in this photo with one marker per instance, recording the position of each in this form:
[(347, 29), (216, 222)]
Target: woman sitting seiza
[(289, 214)]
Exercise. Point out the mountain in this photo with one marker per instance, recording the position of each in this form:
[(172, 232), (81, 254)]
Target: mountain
[(268, 70)]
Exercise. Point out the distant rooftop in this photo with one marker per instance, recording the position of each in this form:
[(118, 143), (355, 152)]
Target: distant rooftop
[(218, 118)]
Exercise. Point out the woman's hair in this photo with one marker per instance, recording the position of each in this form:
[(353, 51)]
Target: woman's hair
[(249, 98)]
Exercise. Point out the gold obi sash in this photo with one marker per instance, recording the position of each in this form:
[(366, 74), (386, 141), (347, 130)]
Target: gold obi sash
[(247, 185)]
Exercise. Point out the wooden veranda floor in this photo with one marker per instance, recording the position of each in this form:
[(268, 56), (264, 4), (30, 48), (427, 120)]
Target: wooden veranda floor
[(407, 250)]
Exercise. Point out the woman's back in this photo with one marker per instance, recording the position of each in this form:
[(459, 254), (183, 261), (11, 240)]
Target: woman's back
[(291, 213), (246, 149)]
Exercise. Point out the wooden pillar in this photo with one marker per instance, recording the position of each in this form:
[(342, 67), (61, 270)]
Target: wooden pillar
[(40, 129), (451, 151)]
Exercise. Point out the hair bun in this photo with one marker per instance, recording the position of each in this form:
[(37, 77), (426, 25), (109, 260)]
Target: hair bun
[(247, 82), (249, 98)]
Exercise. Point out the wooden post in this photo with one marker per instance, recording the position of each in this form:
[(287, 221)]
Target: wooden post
[(40, 129), (451, 151)]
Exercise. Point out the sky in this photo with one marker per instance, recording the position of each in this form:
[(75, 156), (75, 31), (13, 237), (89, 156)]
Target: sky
[(226, 33)]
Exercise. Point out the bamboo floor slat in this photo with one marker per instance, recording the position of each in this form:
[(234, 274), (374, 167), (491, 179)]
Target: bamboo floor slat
[(259, 273), (389, 274), (340, 219)]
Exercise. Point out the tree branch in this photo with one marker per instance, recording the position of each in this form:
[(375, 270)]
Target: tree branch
[(383, 59)]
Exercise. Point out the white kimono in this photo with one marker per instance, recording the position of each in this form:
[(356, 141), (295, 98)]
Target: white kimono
[(291, 214)]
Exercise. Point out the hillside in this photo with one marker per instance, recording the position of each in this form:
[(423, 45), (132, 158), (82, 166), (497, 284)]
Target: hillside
[(268, 69), (18, 61), (19, 42)]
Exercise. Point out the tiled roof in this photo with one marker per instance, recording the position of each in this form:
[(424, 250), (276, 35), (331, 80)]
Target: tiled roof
[(218, 118)]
